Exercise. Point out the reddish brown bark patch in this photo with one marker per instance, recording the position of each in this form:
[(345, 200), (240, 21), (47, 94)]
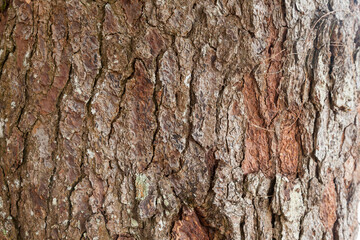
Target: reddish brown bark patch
[(22, 36), (142, 92), (132, 9), (38, 200), (211, 161), (257, 148), (189, 227), (111, 22), (328, 206), (262, 108), (140, 108), (155, 41), (48, 102), (289, 148)]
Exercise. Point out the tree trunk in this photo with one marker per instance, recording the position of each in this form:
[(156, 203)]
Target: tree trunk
[(221, 119)]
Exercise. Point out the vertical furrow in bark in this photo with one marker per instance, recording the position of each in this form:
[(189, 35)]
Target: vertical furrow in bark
[(11, 149), (61, 80), (157, 99), (71, 152), (95, 61), (25, 34)]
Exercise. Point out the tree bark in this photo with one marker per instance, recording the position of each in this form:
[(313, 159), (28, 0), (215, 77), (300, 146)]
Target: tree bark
[(224, 119)]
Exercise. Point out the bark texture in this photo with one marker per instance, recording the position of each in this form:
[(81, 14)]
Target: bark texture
[(179, 119)]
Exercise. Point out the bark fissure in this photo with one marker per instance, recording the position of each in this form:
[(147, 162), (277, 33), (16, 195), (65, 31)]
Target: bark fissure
[(157, 103), (25, 134), (118, 114), (54, 154)]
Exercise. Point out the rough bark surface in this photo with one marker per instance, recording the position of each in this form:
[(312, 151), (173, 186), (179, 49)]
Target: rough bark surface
[(224, 119)]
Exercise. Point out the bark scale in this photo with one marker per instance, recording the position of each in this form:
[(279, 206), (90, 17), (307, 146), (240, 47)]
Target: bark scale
[(179, 119)]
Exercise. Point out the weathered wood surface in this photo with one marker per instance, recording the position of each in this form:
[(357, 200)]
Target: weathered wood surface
[(225, 119)]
